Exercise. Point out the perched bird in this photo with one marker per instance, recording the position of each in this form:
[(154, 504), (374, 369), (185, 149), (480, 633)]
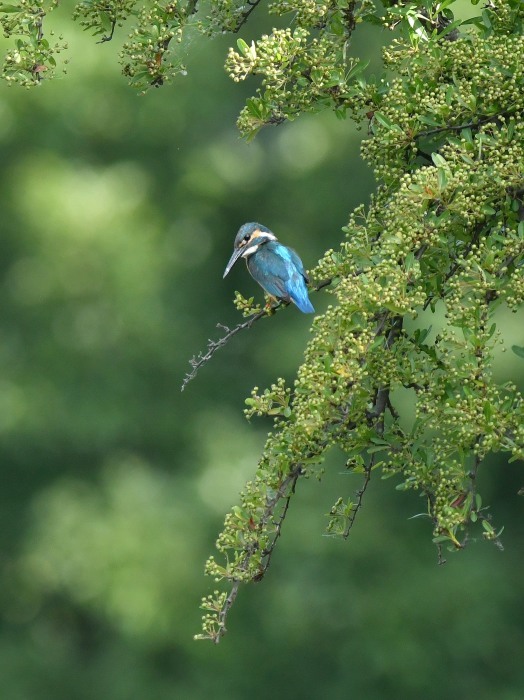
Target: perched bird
[(277, 268)]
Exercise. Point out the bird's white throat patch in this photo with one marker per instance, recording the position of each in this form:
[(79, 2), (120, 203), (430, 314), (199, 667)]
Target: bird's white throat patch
[(249, 251)]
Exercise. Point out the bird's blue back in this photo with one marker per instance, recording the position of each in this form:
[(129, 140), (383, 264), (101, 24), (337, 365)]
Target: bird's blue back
[(280, 271)]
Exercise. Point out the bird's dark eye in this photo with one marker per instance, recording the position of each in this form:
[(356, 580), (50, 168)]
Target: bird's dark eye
[(246, 237)]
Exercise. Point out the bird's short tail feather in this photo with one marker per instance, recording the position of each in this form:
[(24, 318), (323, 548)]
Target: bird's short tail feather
[(303, 302)]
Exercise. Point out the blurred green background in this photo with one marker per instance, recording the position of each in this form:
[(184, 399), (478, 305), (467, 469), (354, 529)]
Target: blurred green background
[(118, 217)]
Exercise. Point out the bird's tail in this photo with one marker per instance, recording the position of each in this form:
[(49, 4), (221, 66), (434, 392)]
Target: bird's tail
[(302, 301)]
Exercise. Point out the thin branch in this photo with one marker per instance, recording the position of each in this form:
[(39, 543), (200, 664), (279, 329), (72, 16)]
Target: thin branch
[(391, 327), (382, 402), (108, 37), (287, 486), (197, 361), (39, 24), (440, 557), (228, 604), (286, 491), (360, 497), (252, 4), (268, 552), (459, 127), (191, 9)]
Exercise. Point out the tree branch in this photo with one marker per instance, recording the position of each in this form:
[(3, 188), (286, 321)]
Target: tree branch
[(459, 127), (360, 497), (252, 5), (108, 37), (198, 361), (287, 486)]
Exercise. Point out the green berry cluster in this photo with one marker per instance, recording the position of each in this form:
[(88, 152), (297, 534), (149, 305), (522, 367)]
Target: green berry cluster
[(147, 57), (307, 69), (444, 232), (246, 306), (33, 56), (101, 17)]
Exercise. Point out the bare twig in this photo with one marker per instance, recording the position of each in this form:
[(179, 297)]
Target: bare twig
[(108, 37), (360, 497), (197, 361), (251, 4)]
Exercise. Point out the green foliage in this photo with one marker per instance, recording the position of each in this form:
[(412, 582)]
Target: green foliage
[(304, 70), (314, 55), (134, 580), (444, 234), (32, 56), (143, 55), (246, 306), (101, 17)]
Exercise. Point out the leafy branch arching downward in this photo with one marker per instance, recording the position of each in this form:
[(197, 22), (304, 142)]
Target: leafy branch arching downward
[(449, 234), (444, 232)]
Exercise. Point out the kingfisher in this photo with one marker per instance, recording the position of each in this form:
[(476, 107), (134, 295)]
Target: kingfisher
[(277, 268)]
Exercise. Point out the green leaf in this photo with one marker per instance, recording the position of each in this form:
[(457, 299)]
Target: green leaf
[(10, 8), (373, 19), (243, 47), (376, 448), (417, 26), (439, 160), (357, 69), (253, 107), (518, 350), (409, 261), (430, 121), (451, 27), (440, 538), (381, 119)]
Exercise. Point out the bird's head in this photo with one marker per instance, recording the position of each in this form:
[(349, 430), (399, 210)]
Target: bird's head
[(247, 241)]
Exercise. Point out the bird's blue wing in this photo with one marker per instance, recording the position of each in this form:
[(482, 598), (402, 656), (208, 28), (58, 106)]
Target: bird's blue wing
[(279, 270), (270, 270), (296, 282), (297, 262)]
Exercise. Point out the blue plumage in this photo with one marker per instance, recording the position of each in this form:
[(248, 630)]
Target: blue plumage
[(277, 268)]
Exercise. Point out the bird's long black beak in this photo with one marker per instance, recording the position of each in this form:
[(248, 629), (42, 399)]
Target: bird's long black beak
[(232, 260)]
